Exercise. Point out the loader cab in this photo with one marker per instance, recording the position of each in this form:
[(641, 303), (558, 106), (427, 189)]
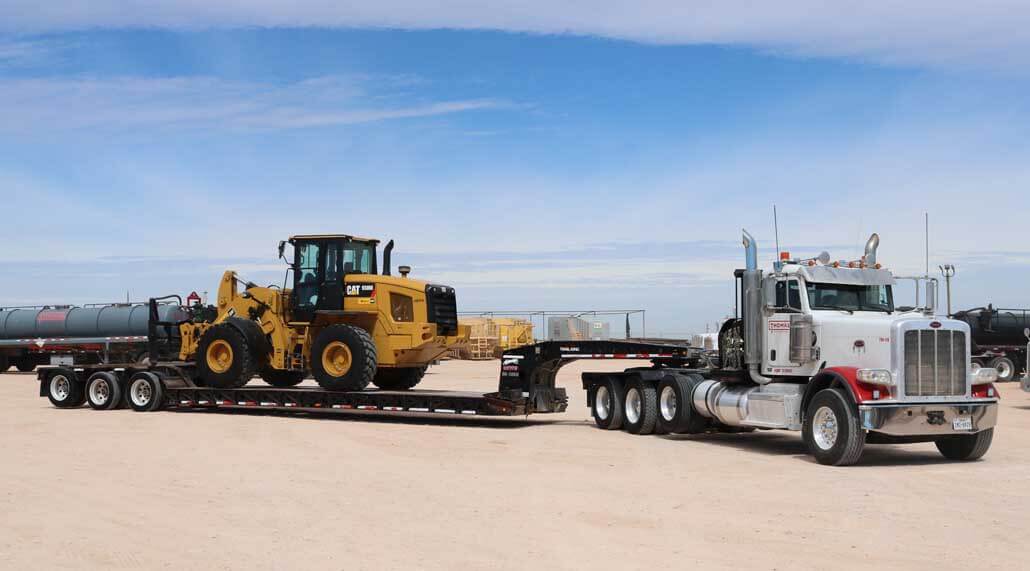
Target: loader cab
[(320, 264)]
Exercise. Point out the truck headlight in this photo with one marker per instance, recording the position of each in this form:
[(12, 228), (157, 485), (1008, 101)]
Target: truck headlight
[(985, 375), (875, 377)]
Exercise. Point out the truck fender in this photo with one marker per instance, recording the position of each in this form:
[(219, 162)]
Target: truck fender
[(834, 377)]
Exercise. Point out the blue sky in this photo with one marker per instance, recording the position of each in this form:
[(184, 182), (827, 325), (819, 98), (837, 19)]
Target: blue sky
[(532, 156)]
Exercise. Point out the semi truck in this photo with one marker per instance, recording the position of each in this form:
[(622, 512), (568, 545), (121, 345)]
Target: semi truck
[(815, 347), (819, 348), (997, 339)]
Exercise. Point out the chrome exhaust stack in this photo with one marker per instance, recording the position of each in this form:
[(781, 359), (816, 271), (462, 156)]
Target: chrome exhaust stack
[(870, 250), (752, 284)]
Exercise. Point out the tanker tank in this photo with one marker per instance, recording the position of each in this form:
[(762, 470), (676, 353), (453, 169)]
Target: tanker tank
[(119, 320)]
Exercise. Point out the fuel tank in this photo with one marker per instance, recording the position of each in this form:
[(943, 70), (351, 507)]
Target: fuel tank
[(119, 320), (990, 326)]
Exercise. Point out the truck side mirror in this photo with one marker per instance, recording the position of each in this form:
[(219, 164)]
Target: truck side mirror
[(931, 297), (769, 293)]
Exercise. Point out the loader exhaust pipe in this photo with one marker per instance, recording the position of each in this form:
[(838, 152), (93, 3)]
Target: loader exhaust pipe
[(387, 253), (752, 283), (870, 249)]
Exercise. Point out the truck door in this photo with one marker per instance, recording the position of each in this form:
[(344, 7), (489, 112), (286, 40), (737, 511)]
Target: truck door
[(331, 295), (787, 303)]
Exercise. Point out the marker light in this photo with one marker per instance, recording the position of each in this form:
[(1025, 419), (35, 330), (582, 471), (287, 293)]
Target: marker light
[(875, 377), (985, 375), (784, 256)]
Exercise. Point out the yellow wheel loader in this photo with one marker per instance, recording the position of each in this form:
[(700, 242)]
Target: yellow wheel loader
[(341, 321)]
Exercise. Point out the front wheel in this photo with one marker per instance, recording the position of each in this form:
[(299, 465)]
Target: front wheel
[(831, 429), (224, 358), (966, 447)]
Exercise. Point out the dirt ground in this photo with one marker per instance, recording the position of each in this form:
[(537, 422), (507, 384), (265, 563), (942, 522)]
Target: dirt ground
[(199, 490)]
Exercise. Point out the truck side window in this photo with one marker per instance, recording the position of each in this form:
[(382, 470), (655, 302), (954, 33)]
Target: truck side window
[(788, 294)]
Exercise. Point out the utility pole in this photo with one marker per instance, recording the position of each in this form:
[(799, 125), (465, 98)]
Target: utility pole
[(948, 270)]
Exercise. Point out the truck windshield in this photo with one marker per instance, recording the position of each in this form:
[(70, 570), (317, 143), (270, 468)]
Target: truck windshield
[(851, 297)]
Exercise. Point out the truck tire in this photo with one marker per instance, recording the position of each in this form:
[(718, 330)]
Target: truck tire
[(4, 364), (640, 408), (966, 447), (224, 358), (607, 408), (64, 389), (1006, 368), (280, 378), (145, 392), (103, 391), (343, 358), (25, 364), (399, 379), (676, 412), (831, 429)]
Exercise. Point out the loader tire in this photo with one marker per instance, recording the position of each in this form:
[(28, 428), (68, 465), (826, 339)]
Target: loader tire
[(224, 358), (343, 358), (281, 378), (399, 379)]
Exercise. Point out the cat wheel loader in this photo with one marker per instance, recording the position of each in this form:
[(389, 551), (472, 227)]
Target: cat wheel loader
[(342, 321)]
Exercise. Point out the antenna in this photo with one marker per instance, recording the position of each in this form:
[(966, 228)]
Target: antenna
[(776, 229)]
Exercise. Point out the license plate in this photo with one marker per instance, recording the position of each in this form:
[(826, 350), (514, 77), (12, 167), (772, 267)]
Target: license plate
[(962, 423)]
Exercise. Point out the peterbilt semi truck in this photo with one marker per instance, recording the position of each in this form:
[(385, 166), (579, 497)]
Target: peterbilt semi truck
[(997, 338), (819, 347)]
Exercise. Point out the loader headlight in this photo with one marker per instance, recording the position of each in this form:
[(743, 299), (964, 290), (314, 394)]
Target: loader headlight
[(875, 377), (402, 308), (985, 375)]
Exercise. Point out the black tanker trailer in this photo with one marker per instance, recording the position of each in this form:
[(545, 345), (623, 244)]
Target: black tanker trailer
[(998, 339), (75, 335)]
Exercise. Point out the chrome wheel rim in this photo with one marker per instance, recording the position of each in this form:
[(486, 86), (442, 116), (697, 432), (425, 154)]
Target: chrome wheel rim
[(603, 403), (668, 403), (1004, 371), (825, 428), (99, 391), (141, 393), (60, 387), (633, 406)]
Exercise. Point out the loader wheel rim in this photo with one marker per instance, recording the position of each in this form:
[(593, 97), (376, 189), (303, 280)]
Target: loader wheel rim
[(669, 404), (60, 387), (219, 356), (825, 428), (337, 359)]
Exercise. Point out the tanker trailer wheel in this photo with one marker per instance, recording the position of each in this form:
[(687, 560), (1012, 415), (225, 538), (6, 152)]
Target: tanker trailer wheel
[(607, 408), (640, 408), (1006, 368), (966, 446), (146, 393), (224, 357), (343, 358), (280, 378), (64, 389), (103, 391), (25, 364), (399, 379), (676, 412), (4, 364), (831, 429)]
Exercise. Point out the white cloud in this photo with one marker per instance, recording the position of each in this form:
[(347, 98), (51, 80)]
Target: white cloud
[(992, 33), (39, 105)]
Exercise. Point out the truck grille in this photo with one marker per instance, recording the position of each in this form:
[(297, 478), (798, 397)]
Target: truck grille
[(442, 308), (935, 363)]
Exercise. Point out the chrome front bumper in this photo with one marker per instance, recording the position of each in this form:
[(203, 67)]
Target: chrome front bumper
[(927, 419)]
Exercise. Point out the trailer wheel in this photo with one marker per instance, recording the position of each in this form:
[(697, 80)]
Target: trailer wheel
[(1006, 368), (343, 358), (831, 429), (676, 414), (64, 389), (281, 378), (4, 364), (641, 408), (25, 364), (224, 358), (399, 379), (607, 408), (103, 391), (966, 447), (146, 393)]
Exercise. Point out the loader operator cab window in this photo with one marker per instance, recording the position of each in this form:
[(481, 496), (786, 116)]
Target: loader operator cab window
[(307, 275), (359, 258)]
